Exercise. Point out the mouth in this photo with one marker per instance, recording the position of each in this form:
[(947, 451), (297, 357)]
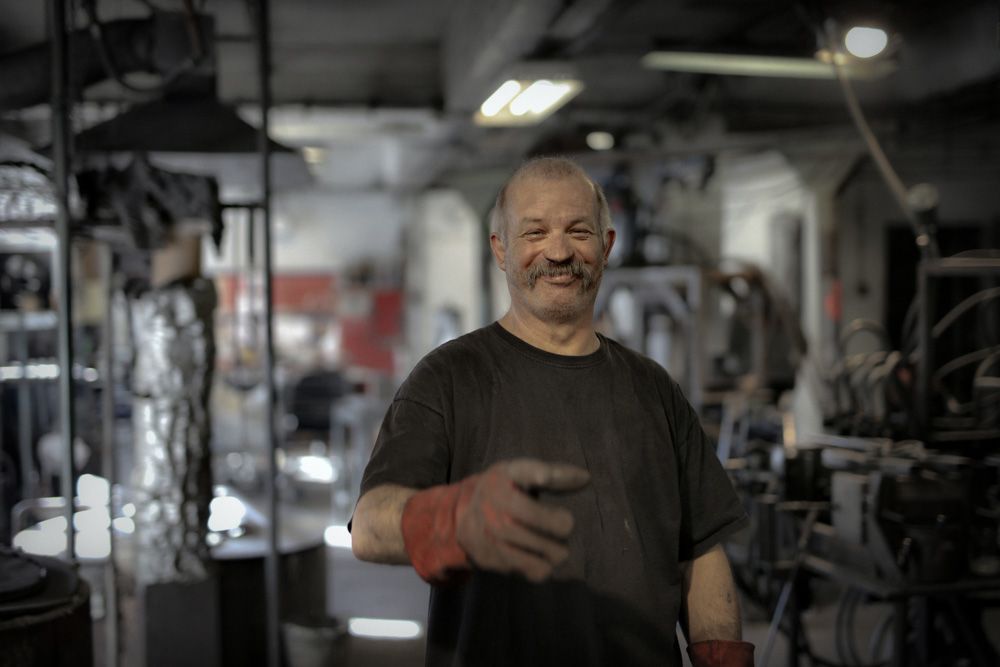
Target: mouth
[(562, 279)]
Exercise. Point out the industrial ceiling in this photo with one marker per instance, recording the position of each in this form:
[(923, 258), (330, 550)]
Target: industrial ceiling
[(398, 81)]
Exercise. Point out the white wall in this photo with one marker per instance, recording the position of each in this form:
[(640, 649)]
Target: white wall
[(760, 194), (756, 190), (320, 230), (443, 270), (968, 194)]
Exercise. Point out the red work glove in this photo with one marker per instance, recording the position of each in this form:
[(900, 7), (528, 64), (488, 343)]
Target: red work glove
[(721, 653), (489, 521)]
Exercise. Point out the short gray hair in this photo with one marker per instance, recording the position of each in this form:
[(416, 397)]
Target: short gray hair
[(550, 168)]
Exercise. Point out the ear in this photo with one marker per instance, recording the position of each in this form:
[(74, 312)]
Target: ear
[(609, 243), (499, 252)]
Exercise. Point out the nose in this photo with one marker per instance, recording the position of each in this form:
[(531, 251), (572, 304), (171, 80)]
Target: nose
[(558, 250)]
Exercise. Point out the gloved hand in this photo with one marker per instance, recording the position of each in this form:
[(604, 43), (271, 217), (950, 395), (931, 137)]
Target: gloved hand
[(490, 521), (721, 653)]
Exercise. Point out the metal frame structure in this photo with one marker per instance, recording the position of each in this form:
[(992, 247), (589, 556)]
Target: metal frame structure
[(901, 597), (929, 270), (272, 563), (62, 160), (61, 154), (678, 290)]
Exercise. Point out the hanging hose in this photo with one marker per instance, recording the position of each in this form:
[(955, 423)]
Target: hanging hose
[(878, 637), (838, 630), (924, 233)]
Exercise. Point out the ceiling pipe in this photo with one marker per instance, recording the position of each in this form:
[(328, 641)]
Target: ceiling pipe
[(156, 45), (480, 44)]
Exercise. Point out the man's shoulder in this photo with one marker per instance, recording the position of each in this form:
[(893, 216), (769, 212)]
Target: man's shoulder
[(467, 352), (645, 371), (634, 359), (473, 344)]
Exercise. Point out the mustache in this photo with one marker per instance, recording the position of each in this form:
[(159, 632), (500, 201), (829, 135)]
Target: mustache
[(575, 269)]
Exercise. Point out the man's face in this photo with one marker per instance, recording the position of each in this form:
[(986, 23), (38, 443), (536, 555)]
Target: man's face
[(554, 256)]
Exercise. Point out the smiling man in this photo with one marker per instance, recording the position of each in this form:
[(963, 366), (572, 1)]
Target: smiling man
[(554, 487)]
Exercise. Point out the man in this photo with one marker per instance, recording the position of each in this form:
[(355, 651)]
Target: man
[(554, 487)]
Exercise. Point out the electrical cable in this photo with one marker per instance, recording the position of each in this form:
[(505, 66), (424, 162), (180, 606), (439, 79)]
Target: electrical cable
[(880, 378), (852, 645), (863, 377), (977, 378), (860, 324), (924, 236), (937, 379), (909, 342), (963, 360), (966, 304)]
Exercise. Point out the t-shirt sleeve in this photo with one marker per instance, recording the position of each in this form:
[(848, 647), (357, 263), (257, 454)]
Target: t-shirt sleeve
[(412, 448), (711, 510)]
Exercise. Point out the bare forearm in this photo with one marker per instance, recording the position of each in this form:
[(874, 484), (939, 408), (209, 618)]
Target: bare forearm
[(711, 601), (376, 534)]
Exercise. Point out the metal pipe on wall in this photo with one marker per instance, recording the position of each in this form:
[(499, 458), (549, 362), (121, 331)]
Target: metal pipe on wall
[(108, 465), (272, 561), (61, 139)]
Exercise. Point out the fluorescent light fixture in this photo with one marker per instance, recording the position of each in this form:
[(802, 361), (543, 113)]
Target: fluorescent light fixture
[(600, 141), (529, 93), (383, 628), (865, 42), (500, 98), (763, 66), (538, 97), (337, 536)]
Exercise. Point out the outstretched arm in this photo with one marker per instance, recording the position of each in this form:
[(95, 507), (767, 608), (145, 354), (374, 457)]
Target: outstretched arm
[(487, 520), (375, 530)]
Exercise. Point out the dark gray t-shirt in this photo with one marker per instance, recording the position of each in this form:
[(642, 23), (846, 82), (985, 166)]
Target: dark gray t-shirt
[(658, 496)]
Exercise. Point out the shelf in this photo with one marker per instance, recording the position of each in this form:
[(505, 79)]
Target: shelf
[(35, 320), (45, 370)]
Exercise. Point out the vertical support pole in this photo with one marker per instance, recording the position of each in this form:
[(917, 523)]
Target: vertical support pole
[(901, 629), (696, 351), (925, 314), (109, 469), (25, 437), (795, 633), (61, 160), (272, 562)]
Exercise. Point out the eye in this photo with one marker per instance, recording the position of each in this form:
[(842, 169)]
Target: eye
[(533, 233), (581, 233)]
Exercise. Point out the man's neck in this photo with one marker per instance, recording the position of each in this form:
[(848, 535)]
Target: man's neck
[(571, 338)]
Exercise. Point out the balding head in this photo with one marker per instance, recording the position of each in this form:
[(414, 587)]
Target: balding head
[(546, 168)]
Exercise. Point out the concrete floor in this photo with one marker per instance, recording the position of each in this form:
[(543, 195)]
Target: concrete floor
[(363, 590), (382, 591), (357, 589)]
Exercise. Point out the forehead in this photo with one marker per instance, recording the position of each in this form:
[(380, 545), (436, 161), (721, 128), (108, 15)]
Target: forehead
[(560, 197)]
